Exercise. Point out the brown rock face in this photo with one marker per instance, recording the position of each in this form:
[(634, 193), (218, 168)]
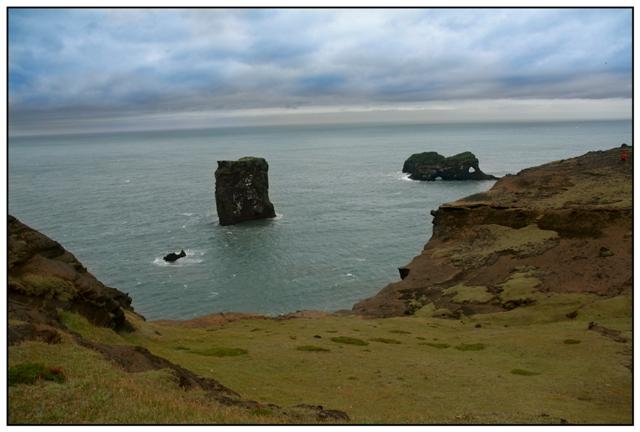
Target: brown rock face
[(561, 227), (242, 191), (44, 277)]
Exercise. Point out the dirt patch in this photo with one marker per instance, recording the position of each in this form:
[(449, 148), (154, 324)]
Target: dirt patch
[(24, 332), (614, 335)]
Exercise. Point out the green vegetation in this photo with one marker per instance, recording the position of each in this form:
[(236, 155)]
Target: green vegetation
[(261, 411), (439, 345), (425, 158), (519, 289), (379, 383), (29, 373), (492, 238), (571, 341), (470, 347), (462, 159), (49, 287), (220, 352), (312, 348), (469, 294), (349, 340), (523, 372), (385, 340)]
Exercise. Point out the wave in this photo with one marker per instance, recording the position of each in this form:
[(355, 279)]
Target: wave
[(404, 177), (194, 256), (399, 175)]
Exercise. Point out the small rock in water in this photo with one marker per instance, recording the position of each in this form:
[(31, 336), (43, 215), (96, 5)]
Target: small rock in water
[(171, 257)]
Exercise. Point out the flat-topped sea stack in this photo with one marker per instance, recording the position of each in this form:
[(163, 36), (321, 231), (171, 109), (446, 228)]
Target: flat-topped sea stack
[(557, 229), (242, 191), (432, 166)]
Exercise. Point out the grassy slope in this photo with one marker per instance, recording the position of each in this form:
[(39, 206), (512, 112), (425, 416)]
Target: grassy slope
[(419, 380)]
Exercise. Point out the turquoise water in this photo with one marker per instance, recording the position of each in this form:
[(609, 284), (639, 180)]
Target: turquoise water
[(347, 217)]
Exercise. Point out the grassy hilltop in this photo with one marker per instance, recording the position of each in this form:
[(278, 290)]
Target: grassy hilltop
[(410, 355)]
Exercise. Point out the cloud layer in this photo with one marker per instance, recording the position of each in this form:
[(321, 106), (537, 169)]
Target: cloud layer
[(99, 63)]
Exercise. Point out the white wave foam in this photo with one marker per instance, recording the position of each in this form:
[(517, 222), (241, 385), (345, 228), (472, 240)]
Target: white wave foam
[(278, 216), (404, 177), (186, 214)]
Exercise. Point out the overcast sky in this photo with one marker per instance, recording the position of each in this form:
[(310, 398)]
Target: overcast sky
[(109, 69)]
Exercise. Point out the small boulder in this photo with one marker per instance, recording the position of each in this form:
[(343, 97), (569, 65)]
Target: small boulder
[(605, 252), (242, 191), (171, 257), (431, 166), (404, 272)]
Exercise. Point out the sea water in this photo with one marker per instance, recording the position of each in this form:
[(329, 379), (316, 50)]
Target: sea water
[(347, 216)]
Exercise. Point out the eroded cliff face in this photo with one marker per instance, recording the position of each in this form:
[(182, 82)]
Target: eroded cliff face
[(44, 278), (563, 227)]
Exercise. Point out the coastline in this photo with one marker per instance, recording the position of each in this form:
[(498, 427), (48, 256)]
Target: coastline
[(489, 297)]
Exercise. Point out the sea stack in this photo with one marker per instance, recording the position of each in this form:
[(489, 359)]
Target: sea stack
[(242, 190), (430, 166)]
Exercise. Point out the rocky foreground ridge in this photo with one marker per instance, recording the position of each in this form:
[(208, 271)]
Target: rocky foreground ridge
[(563, 227), (44, 277)]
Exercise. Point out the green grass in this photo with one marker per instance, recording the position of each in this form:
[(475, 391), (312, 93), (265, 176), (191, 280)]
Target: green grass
[(29, 373), (571, 341), (470, 347), (46, 286), (386, 340), (349, 340), (469, 294), (378, 383), (220, 352), (439, 345), (312, 348), (523, 372)]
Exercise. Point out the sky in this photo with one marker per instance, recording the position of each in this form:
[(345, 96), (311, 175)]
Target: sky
[(84, 70)]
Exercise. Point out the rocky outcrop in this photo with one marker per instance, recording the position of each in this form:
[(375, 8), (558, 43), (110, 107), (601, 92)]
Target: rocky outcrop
[(563, 227), (44, 277), (242, 190), (172, 256), (431, 166)]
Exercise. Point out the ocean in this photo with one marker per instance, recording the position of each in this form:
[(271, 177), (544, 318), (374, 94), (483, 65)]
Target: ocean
[(347, 216)]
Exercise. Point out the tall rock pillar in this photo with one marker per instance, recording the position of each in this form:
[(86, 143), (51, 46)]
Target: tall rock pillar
[(242, 190)]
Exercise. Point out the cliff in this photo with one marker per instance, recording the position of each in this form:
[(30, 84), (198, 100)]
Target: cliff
[(563, 227), (555, 239), (43, 278)]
